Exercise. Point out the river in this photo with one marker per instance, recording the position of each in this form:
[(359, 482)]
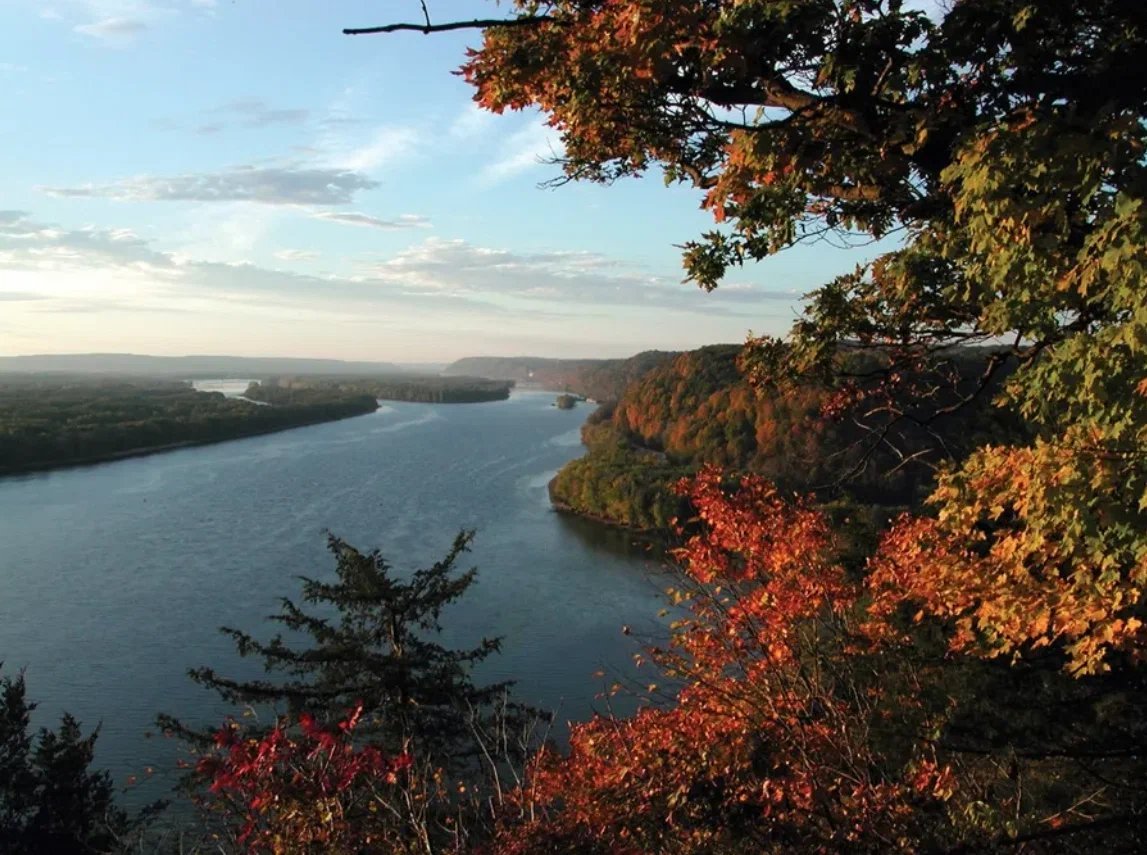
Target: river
[(115, 577)]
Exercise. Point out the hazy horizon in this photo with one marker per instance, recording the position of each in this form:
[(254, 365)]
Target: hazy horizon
[(621, 354)]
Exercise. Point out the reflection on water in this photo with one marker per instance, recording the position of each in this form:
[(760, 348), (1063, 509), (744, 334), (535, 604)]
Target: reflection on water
[(599, 538)]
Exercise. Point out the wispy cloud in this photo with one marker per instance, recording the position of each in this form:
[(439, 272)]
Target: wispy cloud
[(527, 149), (577, 278), (472, 122), (353, 218), (113, 29), (270, 185), (297, 255), (381, 147), (20, 296), (436, 275), (92, 255), (244, 113)]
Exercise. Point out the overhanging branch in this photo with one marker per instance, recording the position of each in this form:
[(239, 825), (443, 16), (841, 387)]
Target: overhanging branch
[(427, 28)]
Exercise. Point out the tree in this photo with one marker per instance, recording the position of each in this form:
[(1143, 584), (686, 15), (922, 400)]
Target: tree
[(1003, 143), (372, 645), (50, 800), (767, 744)]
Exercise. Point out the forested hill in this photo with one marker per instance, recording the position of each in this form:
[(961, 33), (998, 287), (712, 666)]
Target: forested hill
[(191, 367), (599, 379), (697, 408)]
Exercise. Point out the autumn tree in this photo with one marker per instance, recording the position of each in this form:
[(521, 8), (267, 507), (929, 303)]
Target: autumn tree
[(766, 746), (1000, 145)]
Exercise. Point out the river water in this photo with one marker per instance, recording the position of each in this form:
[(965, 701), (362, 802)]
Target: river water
[(114, 578)]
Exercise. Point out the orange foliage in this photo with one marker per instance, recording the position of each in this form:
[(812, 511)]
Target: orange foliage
[(763, 744), (1032, 546)]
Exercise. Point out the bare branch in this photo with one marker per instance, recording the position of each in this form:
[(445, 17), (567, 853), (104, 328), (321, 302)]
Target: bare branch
[(427, 28)]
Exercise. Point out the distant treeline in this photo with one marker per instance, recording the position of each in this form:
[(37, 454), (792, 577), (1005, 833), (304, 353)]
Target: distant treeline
[(185, 367), (698, 409), (599, 379), (418, 389), (52, 421)]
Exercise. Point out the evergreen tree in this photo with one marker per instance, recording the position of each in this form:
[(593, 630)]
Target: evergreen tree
[(50, 800), (378, 647)]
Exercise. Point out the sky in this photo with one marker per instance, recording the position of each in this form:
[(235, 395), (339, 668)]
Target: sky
[(238, 177)]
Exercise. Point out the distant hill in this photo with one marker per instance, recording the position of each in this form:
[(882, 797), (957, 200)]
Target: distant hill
[(241, 367), (600, 379)]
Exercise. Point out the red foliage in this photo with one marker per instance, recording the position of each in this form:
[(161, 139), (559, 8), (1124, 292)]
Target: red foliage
[(286, 790)]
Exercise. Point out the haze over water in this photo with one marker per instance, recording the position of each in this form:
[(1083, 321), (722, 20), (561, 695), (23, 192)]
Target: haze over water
[(116, 577)]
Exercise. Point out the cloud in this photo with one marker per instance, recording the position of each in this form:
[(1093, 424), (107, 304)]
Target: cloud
[(526, 149), (472, 122), (297, 255), (115, 23), (382, 147), (29, 245), (351, 218), (20, 296), (577, 278), (427, 281), (113, 29), (277, 185), (92, 256), (245, 113)]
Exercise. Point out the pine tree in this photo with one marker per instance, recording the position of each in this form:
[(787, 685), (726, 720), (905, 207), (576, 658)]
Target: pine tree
[(378, 647), (50, 800)]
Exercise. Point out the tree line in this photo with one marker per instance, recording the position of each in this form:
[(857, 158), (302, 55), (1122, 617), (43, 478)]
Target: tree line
[(49, 422), (415, 389)]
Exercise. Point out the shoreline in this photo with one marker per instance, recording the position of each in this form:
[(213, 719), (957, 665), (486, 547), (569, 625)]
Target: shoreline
[(148, 450)]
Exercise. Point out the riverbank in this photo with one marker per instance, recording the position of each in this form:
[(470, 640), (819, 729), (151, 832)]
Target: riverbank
[(145, 451), (53, 423)]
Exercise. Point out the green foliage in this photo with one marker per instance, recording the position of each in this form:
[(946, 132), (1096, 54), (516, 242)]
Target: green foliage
[(621, 485), (370, 640), (426, 390), (50, 800), (47, 422)]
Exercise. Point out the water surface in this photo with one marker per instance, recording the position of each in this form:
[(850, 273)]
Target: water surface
[(114, 578)]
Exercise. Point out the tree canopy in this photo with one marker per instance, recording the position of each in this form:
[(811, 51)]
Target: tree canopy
[(997, 149), (1004, 141)]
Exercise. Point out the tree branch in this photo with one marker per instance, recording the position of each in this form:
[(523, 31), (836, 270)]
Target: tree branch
[(427, 28)]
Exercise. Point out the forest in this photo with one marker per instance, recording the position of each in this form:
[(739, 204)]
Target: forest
[(963, 671), (413, 388), (700, 409), (49, 421)]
